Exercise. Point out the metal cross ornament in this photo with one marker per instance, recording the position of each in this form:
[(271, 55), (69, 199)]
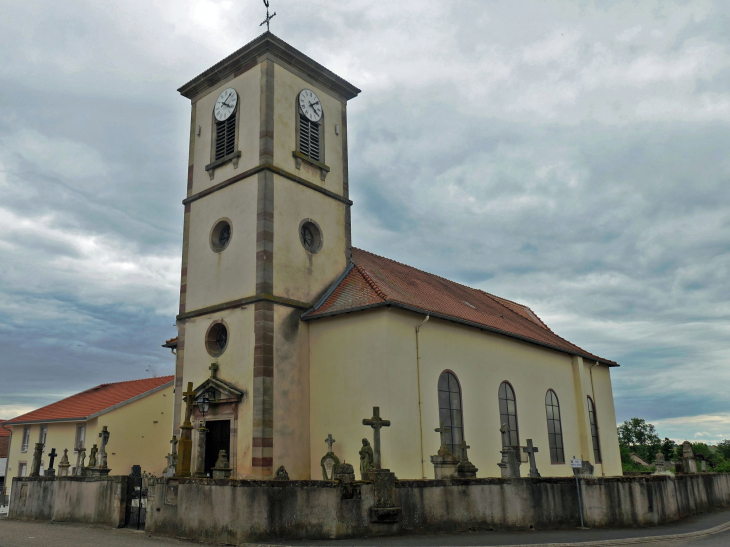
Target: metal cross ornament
[(268, 17)]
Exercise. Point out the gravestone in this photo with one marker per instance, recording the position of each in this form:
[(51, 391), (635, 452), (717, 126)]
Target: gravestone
[(444, 462), (385, 510), (329, 461), (530, 451), (171, 459), (50, 472), (510, 464), (281, 474), (465, 469), (63, 465), (366, 459), (185, 447), (80, 457), (344, 473), (222, 468), (102, 458), (660, 463), (689, 463), (376, 422), (35, 466), (704, 466), (92, 457)]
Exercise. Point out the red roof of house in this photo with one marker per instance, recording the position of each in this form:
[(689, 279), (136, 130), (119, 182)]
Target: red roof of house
[(373, 281), (93, 401), (4, 432)]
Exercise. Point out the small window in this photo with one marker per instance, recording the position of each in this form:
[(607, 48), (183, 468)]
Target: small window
[(555, 428), (225, 137), (80, 437), (508, 414), (26, 439), (22, 469), (220, 235), (309, 138), (594, 431), (43, 435), (216, 340), (310, 236), (450, 410)]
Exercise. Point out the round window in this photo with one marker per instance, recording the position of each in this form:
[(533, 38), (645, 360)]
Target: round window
[(217, 339), (310, 235), (220, 235)]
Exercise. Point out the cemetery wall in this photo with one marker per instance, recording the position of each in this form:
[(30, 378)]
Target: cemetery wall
[(232, 511), (92, 500)]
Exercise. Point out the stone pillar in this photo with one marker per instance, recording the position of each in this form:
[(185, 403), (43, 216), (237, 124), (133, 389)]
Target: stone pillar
[(222, 469), (200, 463), (35, 467), (510, 464)]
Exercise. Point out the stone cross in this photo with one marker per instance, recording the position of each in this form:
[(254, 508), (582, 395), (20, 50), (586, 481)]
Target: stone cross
[(330, 441), (35, 469), (463, 447), (376, 422), (189, 394), (52, 454), (104, 436), (213, 370), (443, 430), (530, 451), (505, 435)]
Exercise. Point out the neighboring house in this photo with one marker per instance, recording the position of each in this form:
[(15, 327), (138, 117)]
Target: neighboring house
[(136, 413), (4, 444)]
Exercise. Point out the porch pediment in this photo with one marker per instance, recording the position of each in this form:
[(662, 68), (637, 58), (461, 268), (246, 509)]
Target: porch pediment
[(219, 391)]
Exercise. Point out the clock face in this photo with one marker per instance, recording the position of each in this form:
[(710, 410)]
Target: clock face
[(226, 104), (309, 105)]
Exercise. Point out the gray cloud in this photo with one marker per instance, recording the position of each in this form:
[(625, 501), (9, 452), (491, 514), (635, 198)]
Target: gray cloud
[(568, 155)]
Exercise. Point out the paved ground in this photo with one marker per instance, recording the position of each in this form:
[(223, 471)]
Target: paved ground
[(42, 534)]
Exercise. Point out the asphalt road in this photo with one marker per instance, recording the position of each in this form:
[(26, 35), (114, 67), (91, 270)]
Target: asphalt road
[(45, 534)]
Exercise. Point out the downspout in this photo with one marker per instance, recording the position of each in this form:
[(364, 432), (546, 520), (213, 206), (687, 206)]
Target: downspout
[(598, 429), (7, 463), (420, 403)]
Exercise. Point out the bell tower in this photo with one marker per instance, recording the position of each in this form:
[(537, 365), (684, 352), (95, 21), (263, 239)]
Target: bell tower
[(266, 231)]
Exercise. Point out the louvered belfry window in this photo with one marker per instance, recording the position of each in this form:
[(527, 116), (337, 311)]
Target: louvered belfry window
[(308, 137), (225, 137)]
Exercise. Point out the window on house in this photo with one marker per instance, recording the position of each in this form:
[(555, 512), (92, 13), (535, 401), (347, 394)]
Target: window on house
[(309, 137), (450, 410), (508, 415), (594, 431), (22, 469), (555, 429), (43, 435), (225, 137), (26, 439), (80, 437)]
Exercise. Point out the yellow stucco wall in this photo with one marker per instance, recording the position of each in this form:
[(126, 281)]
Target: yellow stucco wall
[(235, 366), (139, 435), (247, 85), (368, 359), (214, 278), (286, 90)]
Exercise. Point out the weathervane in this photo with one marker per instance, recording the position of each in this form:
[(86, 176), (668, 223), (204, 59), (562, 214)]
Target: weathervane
[(268, 17)]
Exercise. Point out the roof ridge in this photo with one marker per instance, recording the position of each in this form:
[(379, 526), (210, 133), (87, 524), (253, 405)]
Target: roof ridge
[(171, 376), (370, 281), (498, 299)]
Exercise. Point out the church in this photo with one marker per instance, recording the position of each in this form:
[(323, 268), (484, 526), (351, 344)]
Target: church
[(294, 336)]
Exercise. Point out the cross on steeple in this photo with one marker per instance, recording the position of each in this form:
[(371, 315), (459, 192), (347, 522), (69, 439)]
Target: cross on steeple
[(376, 422), (330, 441), (268, 17)]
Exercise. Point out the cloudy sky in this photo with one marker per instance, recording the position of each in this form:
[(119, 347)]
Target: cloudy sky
[(568, 155)]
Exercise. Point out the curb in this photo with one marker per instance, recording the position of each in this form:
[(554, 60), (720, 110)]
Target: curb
[(630, 541)]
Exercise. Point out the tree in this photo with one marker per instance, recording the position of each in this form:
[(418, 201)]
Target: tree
[(724, 449), (640, 437), (668, 447)]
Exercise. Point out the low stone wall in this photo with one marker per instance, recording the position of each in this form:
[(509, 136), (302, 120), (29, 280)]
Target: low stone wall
[(93, 500), (232, 511)]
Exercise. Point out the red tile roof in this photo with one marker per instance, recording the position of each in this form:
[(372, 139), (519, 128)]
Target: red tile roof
[(93, 401), (4, 432), (372, 281)]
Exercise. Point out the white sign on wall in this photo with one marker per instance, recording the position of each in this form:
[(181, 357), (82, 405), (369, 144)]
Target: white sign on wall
[(576, 463)]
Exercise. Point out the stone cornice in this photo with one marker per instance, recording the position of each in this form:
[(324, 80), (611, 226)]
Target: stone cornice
[(249, 54), (273, 169), (261, 297)]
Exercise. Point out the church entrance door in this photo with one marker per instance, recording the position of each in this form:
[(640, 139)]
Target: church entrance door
[(218, 438)]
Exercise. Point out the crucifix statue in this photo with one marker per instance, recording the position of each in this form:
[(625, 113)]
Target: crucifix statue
[(530, 451), (330, 441), (376, 422), (104, 436), (268, 17), (505, 430), (443, 430)]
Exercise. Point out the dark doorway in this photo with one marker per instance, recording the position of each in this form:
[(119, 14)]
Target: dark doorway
[(219, 438)]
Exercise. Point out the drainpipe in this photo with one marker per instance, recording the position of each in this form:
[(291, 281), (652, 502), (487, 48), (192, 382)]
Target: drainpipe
[(7, 463), (598, 429), (420, 403)]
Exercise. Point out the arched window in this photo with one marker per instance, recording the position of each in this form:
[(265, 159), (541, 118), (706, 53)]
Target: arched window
[(508, 414), (555, 429), (594, 431), (450, 410)]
